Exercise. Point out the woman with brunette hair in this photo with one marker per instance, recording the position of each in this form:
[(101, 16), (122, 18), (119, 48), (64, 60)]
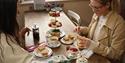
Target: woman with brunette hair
[(11, 48)]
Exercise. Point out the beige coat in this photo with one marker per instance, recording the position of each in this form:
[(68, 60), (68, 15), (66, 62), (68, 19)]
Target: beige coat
[(11, 52), (111, 38)]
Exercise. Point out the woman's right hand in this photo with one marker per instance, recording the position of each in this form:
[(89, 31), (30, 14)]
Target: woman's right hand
[(24, 31), (81, 30)]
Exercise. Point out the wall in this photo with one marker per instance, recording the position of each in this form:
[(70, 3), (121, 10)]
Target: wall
[(81, 7)]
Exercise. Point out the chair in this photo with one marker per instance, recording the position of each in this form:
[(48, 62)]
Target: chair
[(74, 17)]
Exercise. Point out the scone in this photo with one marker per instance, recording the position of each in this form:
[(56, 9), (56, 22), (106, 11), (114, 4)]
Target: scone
[(45, 53), (40, 48), (68, 37), (54, 38)]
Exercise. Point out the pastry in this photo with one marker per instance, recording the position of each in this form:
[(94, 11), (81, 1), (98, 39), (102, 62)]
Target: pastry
[(54, 38), (44, 52)]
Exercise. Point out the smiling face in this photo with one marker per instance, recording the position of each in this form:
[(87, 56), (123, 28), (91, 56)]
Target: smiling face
[(98, 8)]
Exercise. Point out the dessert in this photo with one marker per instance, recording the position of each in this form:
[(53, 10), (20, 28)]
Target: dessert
[(55, 32), (69, 37), (54, 38), (54, 13), (72, 53), (43, 51), (53, 41), (55, 23)]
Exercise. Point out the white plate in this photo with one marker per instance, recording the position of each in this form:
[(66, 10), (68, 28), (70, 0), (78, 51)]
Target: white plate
[(58, 58), (36, 53), (48, 33), (56, 9), (71, 55), (53, 44)]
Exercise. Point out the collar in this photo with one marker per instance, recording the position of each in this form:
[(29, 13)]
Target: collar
[(111, 18)]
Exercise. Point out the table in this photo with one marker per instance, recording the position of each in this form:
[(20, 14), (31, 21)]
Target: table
[(42, 19)]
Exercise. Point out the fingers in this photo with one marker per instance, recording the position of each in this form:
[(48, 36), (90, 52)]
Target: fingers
[(27, 30), (83, 41), (77, 29), (28, 33), (24, 31)]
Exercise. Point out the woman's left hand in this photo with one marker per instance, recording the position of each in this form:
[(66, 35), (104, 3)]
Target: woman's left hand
[(84, 41)]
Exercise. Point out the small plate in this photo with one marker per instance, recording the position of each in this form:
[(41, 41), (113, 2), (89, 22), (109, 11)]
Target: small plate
[(48, 33), (38, 54), (58, 58), (71, 55), (56, 9), (53, 44)]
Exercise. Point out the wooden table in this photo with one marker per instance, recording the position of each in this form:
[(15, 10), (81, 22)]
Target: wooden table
[(42, 19)]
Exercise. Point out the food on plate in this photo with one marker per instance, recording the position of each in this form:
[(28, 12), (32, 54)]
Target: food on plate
[(43, 51), (72, 53), (68, 37), (73, 49), (54, 38), (55, 23), (55, 32), (53, 41), (54, 13), (40, 48)]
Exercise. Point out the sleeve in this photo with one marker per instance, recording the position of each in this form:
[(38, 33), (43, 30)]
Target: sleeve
[(1, 59), (13, 53), (117, 44)]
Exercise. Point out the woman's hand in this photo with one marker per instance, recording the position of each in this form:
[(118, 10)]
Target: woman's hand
[(85, 42), (23, 31), (81, 30)]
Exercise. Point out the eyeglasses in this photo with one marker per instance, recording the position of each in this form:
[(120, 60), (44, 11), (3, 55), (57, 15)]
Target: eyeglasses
[(95, 7)]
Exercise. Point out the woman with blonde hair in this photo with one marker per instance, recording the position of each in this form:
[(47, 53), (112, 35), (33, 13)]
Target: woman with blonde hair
[(105, 34)]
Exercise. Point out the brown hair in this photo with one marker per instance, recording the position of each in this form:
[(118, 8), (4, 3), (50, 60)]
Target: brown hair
[(8, 22)]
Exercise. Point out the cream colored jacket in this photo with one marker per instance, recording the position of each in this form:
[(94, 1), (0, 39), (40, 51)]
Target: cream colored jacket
[(111, 37), (10, 52)]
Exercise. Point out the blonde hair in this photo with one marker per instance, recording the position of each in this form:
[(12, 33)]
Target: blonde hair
[(114, 5)]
